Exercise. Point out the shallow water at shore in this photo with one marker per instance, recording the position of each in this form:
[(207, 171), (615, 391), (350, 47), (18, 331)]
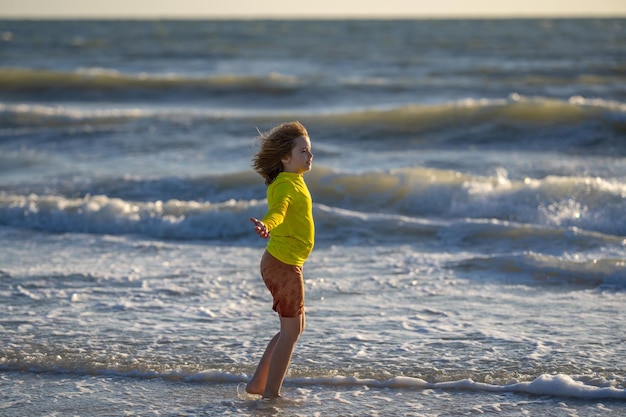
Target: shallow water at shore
[(102, 396)]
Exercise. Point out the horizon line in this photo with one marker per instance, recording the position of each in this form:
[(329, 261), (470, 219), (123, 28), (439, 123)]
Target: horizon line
[(494, 16)]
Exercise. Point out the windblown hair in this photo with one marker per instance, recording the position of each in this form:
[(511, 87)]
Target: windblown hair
[(275, 145)]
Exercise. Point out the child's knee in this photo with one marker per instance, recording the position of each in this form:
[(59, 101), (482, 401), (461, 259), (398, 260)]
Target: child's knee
[(292, 327)]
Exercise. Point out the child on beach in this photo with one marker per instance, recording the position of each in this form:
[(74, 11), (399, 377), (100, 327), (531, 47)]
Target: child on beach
[(284, 156)]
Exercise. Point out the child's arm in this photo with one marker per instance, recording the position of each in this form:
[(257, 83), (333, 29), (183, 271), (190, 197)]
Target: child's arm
[(260, 228)]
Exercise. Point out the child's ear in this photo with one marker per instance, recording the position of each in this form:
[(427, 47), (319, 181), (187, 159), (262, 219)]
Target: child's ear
[(285, 159)]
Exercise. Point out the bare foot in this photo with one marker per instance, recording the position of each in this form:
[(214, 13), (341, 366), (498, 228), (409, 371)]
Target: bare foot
[(255, 390)]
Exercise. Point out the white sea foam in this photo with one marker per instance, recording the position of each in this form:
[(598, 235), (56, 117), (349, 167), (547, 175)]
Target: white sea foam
[(417, 198)]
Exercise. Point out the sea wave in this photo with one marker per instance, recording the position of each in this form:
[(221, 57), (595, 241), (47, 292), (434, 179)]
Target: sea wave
[(559, 385), (172, 219), (551, 271), (85, 79), (414, 124), (416, 198), (31, 80), (556, 385), (517, 108), (592, 204)]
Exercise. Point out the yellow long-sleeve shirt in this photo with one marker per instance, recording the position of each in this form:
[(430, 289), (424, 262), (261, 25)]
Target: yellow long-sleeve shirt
[(289, 218)]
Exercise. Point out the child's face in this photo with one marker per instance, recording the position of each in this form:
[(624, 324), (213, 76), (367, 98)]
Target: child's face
[(301, 157)]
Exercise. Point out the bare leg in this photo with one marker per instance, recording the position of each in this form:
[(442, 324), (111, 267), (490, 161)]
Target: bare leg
[(270, 373), (259, 379), (290, 330)]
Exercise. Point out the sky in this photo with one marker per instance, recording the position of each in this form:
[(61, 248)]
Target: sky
[(308, 9)]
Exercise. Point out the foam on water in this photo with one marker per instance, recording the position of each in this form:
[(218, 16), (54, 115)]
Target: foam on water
[(591, 204), (375, 308)]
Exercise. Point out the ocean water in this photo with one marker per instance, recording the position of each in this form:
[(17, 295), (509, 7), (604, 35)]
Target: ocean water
[(469, 189)]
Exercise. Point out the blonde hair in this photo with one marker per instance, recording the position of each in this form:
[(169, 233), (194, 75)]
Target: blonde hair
[(275, 145)]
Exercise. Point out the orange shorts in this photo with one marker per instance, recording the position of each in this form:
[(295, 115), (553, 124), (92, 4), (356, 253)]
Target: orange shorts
[(286, 284)]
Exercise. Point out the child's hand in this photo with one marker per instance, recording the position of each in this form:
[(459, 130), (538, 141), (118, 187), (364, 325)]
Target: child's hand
[(260, 228)]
